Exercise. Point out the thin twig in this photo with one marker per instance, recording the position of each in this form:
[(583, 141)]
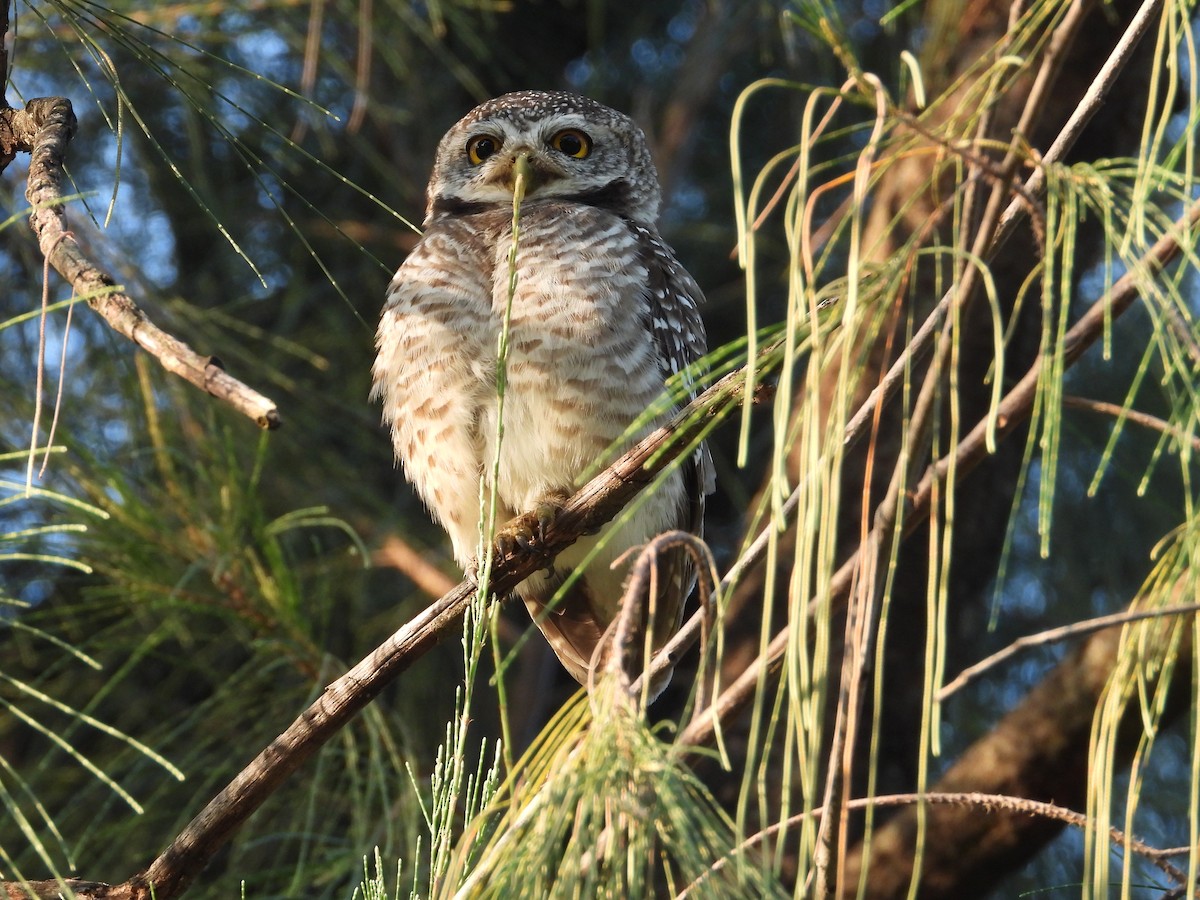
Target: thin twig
[(44, 129), (701, 729), (986, 802), (922, 341), (1136, 416), (1053, 635), (592, 506), (972, 449), (640, 589), (1086, 109), (70, 887)]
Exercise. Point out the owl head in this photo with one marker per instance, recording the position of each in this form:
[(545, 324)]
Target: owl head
[(575, 150)]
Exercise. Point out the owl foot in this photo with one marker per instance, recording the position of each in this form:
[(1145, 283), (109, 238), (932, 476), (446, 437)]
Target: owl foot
[(547, 510), (519, 534), (514, 536)]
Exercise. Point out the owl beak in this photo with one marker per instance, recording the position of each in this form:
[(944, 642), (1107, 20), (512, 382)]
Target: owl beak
[(523, 174)]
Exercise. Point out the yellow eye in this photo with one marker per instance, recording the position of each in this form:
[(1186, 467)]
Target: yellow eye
[(481, 147), (572, 142)]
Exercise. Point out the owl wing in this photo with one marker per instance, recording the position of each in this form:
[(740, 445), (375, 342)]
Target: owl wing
[(674, 301)]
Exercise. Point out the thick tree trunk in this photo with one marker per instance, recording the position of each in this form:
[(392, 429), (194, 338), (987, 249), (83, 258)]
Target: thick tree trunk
[(959, 37), (1038, 751)]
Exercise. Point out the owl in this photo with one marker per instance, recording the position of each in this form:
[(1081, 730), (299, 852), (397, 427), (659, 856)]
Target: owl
[(601, 315)]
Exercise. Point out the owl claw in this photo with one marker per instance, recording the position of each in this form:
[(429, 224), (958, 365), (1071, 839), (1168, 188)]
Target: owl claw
[(516, 535), (547, 511), (524, 531)]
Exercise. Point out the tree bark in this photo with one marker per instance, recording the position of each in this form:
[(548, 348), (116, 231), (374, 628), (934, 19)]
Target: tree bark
[(1038, 751)]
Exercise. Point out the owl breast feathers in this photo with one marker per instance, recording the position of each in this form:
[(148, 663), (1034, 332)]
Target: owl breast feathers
[(601, 316)]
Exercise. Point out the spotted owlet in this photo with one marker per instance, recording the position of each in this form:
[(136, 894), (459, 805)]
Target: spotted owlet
[(601, 315)]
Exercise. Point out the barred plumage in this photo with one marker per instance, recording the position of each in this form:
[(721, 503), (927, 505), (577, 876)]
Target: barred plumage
[(603, 313)]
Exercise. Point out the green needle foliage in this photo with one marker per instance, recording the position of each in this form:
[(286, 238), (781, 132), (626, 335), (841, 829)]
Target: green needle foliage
[(601, 806)]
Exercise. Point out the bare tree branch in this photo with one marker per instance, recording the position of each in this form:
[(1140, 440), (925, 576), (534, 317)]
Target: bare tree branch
[(1134, 415), (1013, 410), (83, 890), (975, 800), (1053, 635), (43, 129), (590, 508), (1036, 751), (1018, 208)]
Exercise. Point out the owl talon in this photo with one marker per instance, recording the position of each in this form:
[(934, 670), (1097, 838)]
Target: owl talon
[(523, 532), (517, 535), (547, 510)]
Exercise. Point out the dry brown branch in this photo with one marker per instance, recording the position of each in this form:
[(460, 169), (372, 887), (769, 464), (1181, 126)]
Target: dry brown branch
[(1012, 216), (621, 642), (1154, 423), (1053, 635), (589, 509), (974, 449), (1013, 410), (988, 803), (84, 890), (1039, 750), (864, 589), (43, 129)]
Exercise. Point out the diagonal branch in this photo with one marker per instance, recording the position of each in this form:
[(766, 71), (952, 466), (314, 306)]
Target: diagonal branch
[(43, 129), (990, 803), (592, 506), (1053, 635), (1016, 406), (1038, 750), (922, 342)]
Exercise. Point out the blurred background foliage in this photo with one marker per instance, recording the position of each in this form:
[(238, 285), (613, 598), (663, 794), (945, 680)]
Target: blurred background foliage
[(253, 172)]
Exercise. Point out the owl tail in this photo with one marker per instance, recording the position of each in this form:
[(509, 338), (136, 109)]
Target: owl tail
[(578, 625), (573, 628)]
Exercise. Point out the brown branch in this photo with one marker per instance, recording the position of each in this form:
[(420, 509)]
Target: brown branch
[(972, 450), (1012, 216), (988, 803), (8, 139), (1039, 750), (1154, 423), (1053, 635), (83, 890), (3, 57), (626, 636), (592, 506), (43, 129)]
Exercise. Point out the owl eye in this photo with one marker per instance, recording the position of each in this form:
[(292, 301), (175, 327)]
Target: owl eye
[(481, 147), (572, 142)]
